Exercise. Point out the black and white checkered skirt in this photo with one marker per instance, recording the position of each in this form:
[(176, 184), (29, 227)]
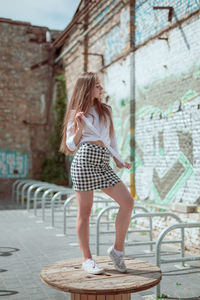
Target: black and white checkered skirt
[(90, 168)]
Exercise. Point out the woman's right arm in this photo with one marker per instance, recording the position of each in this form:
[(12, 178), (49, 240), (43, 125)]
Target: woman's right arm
[(73, 139)]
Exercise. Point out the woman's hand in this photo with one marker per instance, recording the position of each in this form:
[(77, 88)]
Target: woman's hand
[(121, 165), (79, 127), (79, 121), (127, 165)]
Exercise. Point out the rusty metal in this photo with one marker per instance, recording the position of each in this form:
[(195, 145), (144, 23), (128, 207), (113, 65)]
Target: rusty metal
[(170, 8), (96, 54), (85, 43), (42, 63)]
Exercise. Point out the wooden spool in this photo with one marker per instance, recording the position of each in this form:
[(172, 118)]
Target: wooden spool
[(68, 276)]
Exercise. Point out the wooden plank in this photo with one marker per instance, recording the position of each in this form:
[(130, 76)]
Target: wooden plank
[(84, 297), (91, 297), (77, 297), (118, 297), (101, 297), (72, 296), (68, 276), (110, 297), (126, 296)]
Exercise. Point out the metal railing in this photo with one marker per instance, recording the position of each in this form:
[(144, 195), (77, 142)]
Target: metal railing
[(182, 258), (19, 186), (54, 198), (105, 210), (50, 192), (150, 216), (97, 199)]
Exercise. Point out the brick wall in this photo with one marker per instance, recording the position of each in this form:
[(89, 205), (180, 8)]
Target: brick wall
[(163, 75), (24, 97), (166, 70)]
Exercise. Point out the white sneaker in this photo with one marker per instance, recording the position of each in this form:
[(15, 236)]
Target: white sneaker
[(117, 260), (92, 267)]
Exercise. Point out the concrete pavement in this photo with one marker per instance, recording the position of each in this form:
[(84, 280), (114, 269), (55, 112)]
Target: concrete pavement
[(27, 245)]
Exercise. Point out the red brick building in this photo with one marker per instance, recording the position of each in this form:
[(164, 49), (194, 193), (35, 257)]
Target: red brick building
[(26, 72)]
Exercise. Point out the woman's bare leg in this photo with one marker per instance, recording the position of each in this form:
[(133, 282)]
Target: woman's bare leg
[(85, 201), (122, 196)]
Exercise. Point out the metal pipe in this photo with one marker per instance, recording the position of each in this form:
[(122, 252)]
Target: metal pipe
[(67, 192), (33, 186), (13, 188), (158, 246), (35, 197), (18, 190)]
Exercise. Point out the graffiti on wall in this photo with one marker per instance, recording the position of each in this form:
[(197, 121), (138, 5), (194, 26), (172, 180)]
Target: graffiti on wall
[(167, 154), (116, 39), (149, 21), (13, 164), (168, 149)]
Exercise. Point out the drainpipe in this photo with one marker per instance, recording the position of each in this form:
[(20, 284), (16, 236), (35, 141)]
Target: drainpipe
[(132, 97), (85, 28)]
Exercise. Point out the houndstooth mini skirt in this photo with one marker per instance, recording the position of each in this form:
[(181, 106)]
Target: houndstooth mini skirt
[(90, 168)]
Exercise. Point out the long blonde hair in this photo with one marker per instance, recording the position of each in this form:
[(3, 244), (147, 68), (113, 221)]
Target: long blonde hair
[(81, 101)]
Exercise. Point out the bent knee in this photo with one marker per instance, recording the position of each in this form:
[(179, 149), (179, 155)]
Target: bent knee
[(128, 203)]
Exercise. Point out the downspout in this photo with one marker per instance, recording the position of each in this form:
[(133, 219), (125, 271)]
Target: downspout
[(85, 28), (132, 97)]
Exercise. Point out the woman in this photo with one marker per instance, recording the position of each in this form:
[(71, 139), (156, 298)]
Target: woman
[(90, 168)]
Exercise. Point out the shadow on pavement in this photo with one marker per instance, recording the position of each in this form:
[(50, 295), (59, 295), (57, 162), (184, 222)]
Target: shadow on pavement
[(7, 251), (7, 293)]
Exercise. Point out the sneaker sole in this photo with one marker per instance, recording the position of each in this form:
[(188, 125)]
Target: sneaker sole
[(95, 272)]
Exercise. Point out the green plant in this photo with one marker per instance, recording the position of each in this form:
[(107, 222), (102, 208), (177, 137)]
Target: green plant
[(162, 296), (53, 167), (178, 283)]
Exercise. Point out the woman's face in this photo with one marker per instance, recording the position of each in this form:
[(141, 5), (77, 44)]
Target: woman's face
[(97, 93)]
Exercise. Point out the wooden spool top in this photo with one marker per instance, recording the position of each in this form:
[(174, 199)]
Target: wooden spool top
[(68, 276)]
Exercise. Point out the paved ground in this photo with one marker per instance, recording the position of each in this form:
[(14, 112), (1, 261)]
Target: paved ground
[(27, 245)]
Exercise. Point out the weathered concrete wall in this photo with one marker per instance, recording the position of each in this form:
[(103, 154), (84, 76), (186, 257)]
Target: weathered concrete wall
[(24, 96)]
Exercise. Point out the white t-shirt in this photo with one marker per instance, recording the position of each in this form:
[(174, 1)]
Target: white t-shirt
[(101, 127)]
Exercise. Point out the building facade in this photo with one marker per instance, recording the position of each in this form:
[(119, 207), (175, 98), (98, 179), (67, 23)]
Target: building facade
[(146, 54), (25, 96)]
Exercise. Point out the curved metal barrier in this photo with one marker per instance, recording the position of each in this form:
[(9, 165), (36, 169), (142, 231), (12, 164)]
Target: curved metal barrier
[(32, 189), (50, 191), (25, 189), (97, 199), (14, 186), (55, 197), (106, 209), (183, 258), (150, 230), (20, 185)]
